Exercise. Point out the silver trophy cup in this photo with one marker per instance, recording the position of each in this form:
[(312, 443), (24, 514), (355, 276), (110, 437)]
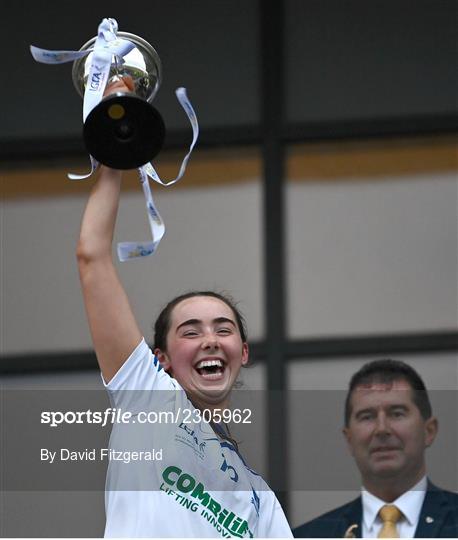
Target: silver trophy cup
[(124, 131)]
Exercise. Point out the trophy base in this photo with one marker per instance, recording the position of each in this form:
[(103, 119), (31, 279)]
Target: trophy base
[(124, 132)]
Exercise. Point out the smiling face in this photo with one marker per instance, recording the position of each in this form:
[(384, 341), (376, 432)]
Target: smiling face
[(387, 435), (204, 351)]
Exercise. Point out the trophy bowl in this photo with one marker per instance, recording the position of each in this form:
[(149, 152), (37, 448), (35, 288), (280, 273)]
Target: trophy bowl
[(142, 64), (124, 131)]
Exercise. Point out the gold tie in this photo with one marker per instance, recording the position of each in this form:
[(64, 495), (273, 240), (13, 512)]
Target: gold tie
[(390, 515)]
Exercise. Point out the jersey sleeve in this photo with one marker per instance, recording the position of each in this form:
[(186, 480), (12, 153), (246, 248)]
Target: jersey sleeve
[(273, 523), (135, 379)]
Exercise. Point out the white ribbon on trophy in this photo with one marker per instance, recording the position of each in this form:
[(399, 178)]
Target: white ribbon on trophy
[(108, 45)]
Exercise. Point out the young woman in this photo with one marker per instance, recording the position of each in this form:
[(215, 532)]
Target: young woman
[(183, 478)]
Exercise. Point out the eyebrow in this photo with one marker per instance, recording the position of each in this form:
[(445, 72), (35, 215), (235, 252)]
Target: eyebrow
[(365, 411), (218, 320), (374, 409)]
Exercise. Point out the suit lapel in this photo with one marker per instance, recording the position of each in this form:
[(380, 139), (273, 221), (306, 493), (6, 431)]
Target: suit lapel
[(433, 512), (351, 517)]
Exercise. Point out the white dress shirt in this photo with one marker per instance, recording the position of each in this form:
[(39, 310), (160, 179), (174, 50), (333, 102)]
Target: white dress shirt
[(409, 503)]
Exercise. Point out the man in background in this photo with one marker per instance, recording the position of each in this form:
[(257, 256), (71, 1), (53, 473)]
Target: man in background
[(388, 426)]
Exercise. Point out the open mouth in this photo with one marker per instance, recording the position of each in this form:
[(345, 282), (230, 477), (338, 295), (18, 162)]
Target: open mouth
[(210, 369)]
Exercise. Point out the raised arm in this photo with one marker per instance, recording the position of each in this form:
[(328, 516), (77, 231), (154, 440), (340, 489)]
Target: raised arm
[(115, 332)]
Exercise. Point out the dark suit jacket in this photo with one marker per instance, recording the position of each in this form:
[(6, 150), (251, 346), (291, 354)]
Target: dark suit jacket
[(438, 518)]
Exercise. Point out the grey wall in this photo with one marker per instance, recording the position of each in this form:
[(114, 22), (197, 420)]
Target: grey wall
[(363, 257), (39, 247), (373, 257)]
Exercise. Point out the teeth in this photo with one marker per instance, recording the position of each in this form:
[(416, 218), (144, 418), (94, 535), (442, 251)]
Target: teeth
[(209, 363)]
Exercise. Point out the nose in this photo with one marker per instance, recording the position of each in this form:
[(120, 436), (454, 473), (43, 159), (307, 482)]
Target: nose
[(210, 342), (382, 426)]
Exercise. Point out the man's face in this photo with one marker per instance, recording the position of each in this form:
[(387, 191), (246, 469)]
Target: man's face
[(386, 433)]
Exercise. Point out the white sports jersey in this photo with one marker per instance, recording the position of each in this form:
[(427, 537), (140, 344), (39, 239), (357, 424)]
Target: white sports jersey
[(182, 481)]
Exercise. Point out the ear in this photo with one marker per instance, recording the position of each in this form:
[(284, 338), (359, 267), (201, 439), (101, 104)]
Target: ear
[(431, 429), (245, 354), (347, 434), (163, 358)]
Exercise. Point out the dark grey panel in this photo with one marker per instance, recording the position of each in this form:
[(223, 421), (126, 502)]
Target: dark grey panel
[(362, 60), (330, 348), (53, 514), (208, 47)]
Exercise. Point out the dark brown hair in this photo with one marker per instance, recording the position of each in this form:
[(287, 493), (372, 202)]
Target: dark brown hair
[(162, 324), (386, 371)]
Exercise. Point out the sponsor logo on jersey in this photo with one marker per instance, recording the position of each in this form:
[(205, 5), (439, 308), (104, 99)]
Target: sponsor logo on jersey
[(191, 494)]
